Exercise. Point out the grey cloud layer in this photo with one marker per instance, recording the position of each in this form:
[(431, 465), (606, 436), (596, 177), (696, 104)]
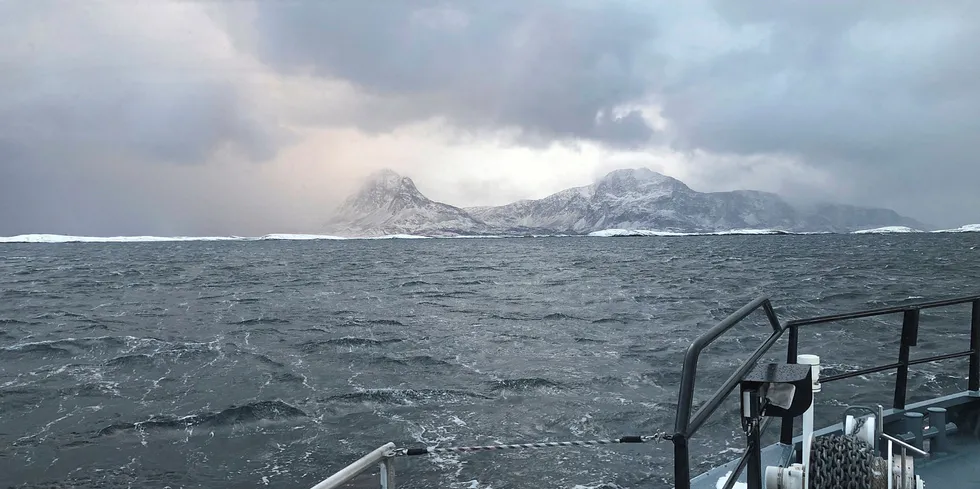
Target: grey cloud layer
[(80, 89), (835, 81), (71, 78), (547, 67), (884, 95)]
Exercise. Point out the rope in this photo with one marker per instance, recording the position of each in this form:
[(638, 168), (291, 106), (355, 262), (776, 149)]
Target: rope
[(549, 444)]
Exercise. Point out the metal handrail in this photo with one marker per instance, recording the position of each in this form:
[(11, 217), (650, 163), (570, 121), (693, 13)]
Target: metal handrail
[(683, 424), (882, 311), (904, 445), (686, 427), (381, 455)]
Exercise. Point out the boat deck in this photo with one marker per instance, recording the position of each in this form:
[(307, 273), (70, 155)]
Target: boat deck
[(958, 469), (776, 454)]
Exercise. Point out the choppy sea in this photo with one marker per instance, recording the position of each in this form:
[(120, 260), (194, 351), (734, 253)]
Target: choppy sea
[(275, 363)]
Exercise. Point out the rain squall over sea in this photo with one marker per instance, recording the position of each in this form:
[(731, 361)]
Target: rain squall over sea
[(275, 363)]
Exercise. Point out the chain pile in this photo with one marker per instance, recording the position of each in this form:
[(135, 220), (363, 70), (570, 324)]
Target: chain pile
[(661, 436), (842, 462)]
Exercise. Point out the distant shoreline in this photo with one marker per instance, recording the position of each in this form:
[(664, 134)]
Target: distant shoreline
[(609, 233)]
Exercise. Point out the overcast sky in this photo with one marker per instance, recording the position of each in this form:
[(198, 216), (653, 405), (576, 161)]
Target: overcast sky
[(236, 117)]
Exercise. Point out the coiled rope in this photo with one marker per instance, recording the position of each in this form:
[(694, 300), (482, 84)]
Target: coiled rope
[(661, 436)]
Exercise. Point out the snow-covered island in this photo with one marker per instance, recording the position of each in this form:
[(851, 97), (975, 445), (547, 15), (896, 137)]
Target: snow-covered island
[(623, 203), (888, 230), (632, 201)]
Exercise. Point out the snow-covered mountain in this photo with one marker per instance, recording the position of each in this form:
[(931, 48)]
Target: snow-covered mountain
[(389, 203), (623, 199), (889, 230), (967, 228), (642, 199)]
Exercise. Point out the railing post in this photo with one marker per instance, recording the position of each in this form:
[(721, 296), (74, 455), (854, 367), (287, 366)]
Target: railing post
[(974, 383), (792, 351), (750, 420), (910, 334), (387, 473), (682, 462)]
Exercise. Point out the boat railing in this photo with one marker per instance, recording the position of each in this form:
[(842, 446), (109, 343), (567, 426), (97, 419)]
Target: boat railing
[(686, 424), (382, 456)]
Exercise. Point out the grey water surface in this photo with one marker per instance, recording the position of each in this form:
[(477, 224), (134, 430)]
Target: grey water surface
[(275, 363)]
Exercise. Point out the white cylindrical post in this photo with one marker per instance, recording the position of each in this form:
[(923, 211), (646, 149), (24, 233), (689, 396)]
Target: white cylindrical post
[(784, 477), (814, 362)]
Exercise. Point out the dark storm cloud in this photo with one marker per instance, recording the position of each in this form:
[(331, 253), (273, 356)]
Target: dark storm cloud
[(554, 69)]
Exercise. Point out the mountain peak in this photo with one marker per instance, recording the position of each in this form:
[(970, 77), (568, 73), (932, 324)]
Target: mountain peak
[(388, 203), (634, 177), (643, 180), (642, 174), (387, 179), (384, 188)]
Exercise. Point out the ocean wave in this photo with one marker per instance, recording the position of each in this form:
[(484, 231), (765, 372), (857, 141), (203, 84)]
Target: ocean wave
[(612, 320), (403, 396), (417, 360), (589, 340), (95, 389), (456, 294), (248, 413), (33, 349), (515, 336), (251, 300), (14, 321), (381, 322), (351, 341), (559, 316), (413, 283), (528, 383), (251, 321), (262, 358), (139, 360), (316, 345), (118, 348)]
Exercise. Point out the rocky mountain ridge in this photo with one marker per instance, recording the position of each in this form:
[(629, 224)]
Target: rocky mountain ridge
[(389, 203)]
